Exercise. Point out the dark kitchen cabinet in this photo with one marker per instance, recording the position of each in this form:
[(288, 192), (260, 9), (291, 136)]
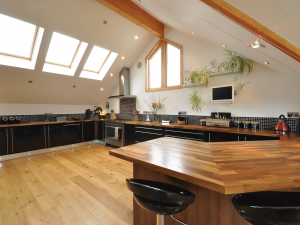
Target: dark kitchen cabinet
[(38, 135), (144, 133), (129, 131), (3, 141), (20, 137), (88, 131), (54, 135), (71, 133), (101, 131), (195, 135)]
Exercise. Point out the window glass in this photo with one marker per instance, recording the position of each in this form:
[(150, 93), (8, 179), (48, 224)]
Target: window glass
[(16, 37), (173, 65), (155, 70), (96, 59)]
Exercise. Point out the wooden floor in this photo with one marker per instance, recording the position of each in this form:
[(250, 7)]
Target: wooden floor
[(81, 186)]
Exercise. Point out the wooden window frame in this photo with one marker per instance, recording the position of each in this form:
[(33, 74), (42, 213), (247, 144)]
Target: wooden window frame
[(162, 43), (31, 50), (98, 72), (68, 66)]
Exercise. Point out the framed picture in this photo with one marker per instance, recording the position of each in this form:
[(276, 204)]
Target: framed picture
[(107, 105)]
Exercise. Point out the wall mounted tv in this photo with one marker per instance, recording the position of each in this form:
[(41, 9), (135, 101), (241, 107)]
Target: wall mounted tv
[(222, 94)]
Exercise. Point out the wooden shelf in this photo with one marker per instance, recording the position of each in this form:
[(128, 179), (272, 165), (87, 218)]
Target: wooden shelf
[(193, 85), (226, 72)]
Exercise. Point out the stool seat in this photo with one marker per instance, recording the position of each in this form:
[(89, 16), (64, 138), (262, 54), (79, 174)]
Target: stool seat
[(269, 207)]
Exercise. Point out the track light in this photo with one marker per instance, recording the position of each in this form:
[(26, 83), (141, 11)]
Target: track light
[(257, 44)]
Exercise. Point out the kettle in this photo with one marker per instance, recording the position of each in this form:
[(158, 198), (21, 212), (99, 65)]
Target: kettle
[(282, 124)]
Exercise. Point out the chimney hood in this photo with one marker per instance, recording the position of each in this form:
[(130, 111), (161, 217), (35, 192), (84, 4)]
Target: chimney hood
[(124, 85)]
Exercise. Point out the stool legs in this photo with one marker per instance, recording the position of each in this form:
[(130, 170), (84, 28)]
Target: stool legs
[(160, 219)]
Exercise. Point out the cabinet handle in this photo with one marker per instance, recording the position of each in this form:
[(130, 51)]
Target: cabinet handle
[(209, 137), (82, 132), (147, 133), (245, 138), (148, 128), (45, 136), (7, 140), (12, 140), (238, 138), (184, 132), (71, 125), (48, 137)]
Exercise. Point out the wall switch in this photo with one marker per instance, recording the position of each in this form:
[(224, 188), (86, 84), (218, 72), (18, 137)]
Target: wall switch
[(293, 114), (182, 113)]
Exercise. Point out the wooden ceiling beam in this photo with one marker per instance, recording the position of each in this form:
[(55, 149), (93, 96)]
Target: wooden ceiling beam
[(255, 27), (135, 14)]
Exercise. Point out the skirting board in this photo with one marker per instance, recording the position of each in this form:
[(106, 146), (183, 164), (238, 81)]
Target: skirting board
[(47, 150)]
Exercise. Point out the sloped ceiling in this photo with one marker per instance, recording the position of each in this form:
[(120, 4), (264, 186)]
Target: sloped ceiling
[(81, 19), (209, 25)]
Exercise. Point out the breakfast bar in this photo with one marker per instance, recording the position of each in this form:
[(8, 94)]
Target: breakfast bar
[(215, 172)]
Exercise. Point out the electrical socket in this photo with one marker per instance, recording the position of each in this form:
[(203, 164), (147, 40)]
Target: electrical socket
[(293, 114), (182, 113)]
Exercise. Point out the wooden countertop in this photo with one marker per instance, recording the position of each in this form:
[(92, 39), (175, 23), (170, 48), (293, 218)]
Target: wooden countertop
[(46, 123), (225, 167)]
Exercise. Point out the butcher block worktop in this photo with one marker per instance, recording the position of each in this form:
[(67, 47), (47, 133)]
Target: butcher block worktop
[(224, 167)]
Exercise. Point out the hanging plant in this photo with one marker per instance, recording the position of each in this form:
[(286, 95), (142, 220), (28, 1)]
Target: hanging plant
[(234, 61), (198, 76), (238, 86), (196, 101)]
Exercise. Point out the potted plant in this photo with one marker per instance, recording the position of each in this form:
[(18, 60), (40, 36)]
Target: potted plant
[(198, 76), (234, 61), (196, 101), (88, 114), (97, 112)]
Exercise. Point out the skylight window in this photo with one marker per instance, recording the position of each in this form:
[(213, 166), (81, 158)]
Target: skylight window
[(19, 42), (98, 63), (64, 54)]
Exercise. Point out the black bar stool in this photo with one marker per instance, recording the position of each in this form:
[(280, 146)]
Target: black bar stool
[(160, 198), (269, 207)]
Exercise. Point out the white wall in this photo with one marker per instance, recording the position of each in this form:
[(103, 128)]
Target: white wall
[(268, 94)]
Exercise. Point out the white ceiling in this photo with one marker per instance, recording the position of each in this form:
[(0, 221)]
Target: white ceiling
[(209, 25), (83, 20)]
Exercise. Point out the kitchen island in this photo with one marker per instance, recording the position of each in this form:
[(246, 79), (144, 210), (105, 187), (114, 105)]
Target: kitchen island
[(215, 172)]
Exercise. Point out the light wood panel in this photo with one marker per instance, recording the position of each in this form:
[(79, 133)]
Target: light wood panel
[(83, 186), (135, 14), (224, 167), (255, 27)]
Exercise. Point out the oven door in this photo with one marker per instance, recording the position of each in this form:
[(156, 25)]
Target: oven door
[(114, 134)]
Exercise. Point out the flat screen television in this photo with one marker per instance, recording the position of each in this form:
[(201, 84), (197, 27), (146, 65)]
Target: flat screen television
[(222, 94)]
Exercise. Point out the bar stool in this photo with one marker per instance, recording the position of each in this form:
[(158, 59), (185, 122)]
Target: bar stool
[(160, 198), (269, 207)]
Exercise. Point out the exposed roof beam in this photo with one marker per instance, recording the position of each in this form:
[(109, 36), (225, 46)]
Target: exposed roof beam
[(135, 14), (255, 27)]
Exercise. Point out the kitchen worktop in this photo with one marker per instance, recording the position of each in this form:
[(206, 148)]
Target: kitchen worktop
[(46, 123), (259, 132), (224, 167)]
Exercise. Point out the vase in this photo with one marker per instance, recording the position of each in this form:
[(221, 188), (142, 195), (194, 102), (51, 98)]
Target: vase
[(155, 119)]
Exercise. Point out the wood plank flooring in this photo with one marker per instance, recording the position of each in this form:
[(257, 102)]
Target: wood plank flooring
[(83, 186)]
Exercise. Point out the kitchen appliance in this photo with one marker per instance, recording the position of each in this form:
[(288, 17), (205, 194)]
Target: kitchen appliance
[(4, 120), (166, 121), (282, 124), (124, 85), (182, 120), (218, 123), (11, 120), (114, 132), (222, 94)]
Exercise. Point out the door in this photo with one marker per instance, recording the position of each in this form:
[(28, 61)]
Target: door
[(54, 135), (71, 133), (20, 139), (114, 134), (101, 131), (38, 137), (88, 131), (3, 141)]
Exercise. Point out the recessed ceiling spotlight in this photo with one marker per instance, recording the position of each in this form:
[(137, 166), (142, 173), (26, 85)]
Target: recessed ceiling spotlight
[(101, 89), (224, 46), (168, 23), (105, 22), (111, 74), (30, 81), (123, 57), (136, 37), (265, 62), (257, 44), (193, 32)]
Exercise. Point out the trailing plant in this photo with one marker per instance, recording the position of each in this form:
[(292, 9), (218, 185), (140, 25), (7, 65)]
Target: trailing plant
[(193, 76), (234, 61), (238, 85), (196, 101)]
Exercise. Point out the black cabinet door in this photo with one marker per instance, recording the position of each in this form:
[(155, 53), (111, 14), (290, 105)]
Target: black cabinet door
[(71, 133), (101, 131), (195, 135), (3, 141), (144, 133), (55, 135), (129, 131), (88, 131), (38, 137), (20, 139)]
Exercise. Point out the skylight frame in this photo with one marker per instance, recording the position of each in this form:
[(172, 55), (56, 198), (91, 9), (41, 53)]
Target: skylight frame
[(74, 56), (98, 72), (33, 45)]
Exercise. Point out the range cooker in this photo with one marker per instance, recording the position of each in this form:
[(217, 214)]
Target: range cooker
[(114, 132)]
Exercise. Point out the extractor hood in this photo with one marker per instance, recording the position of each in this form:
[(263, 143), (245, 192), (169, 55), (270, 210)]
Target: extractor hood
[(124, 85)]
